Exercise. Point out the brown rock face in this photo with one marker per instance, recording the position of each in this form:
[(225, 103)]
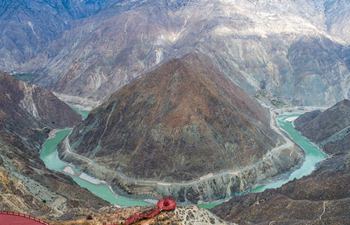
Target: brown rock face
[(179, 122)]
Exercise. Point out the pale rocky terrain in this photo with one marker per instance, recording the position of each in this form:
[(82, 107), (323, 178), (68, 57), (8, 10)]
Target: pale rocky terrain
[(281, 51), (189, 215), (28, 26)]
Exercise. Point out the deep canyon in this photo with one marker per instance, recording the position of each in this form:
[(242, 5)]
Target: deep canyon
[(236, 108)]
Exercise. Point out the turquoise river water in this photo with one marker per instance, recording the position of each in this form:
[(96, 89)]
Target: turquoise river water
[(313, 155)]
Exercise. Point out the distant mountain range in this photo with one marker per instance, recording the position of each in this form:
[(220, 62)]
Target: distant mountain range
[(28, 27), (281, 51), (181, 91)]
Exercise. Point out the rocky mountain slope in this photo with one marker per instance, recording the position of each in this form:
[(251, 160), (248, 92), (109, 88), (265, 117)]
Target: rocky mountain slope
[(27, 186), (325, 127), (181, 122), (189, 215), (19, 99), (330, 129), (320, 198), (28, 26), (290, 52), (336, 14), (27, 114)]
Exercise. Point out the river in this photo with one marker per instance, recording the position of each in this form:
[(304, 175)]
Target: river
[(49, 155), (313, 154)]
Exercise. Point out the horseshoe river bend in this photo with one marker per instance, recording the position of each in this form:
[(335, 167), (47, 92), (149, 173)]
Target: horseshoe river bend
[(49, 155)]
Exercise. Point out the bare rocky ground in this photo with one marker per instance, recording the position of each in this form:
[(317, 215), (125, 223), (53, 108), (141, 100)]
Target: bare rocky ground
[(320, 198), (27, 114), (26, 185), (190, 215), (289, 51)]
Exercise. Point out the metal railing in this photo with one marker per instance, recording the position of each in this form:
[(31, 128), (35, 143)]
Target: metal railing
[(24, 216)]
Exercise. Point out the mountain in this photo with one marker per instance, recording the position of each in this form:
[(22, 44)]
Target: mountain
[(320, 198), (182, 121), (28, 26), (20, 100), (290, 52), (329, 129), (27, 114), (337, 13)]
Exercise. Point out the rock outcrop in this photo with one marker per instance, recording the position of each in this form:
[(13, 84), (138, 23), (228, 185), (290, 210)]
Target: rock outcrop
[(321, 198), (189, 215), (184, 130)]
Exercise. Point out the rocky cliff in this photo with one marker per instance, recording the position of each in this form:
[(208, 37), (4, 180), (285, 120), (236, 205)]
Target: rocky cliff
[(27, 114), (184, 130), (321, 198)]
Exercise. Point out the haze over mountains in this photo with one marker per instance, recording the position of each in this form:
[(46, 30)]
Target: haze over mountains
[(272, 49)]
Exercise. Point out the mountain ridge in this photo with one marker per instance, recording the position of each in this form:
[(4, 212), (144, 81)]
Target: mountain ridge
[(256, 45), (175, 79), (182, 130), (26, 185)]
